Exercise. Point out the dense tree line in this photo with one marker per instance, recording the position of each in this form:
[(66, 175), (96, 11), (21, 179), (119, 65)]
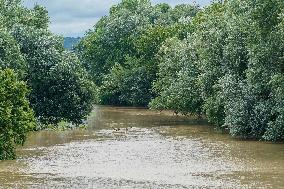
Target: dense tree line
[(40, 82), (120, 52), (224, 61)]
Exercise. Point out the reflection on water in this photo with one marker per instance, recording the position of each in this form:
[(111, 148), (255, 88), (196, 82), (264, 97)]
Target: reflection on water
[(138, 148)]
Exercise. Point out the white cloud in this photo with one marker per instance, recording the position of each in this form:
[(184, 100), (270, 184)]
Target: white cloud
[(74, 18)]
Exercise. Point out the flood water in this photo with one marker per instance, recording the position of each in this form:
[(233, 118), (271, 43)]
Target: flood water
[(137, 148)]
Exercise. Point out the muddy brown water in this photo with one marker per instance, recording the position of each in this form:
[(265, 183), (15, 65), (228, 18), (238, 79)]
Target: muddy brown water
[(138, 148)]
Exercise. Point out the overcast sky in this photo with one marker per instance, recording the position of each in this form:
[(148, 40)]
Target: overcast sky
[(72, 17)]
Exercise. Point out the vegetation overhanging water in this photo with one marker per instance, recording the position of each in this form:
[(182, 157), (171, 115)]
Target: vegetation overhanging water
[(224, 62)]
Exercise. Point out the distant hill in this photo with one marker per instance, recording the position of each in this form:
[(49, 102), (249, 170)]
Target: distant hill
[(70, 42)]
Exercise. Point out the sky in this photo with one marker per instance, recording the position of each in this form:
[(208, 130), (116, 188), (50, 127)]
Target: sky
[(72, 18)]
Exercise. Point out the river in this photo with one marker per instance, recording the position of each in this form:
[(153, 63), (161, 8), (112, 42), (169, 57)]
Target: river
[(138, 148)]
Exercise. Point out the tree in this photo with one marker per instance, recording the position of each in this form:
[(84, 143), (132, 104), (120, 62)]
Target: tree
[(116, 32), (69, 95), (238, 49), (16, 116), (253, 52), (61, 88), (32, 57), (10, 55), (134, 31), (210, 36), (177, 82), (127, 85), (224, 61), (13, 13)]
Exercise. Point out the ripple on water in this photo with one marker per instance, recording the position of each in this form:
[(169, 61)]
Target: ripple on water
[(141, 156), (141, 152)]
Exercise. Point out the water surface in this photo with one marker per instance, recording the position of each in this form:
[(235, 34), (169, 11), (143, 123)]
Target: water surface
[(138, 148)]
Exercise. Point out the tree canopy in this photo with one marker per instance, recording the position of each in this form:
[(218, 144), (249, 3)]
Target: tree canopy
[(127, 41), (40, 81), (223, 61)]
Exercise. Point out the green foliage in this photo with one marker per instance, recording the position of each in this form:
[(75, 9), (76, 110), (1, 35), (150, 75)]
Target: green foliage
[(275, 130), (127, 85), (210, 37), (16, 117), (69, 95), (149, 43), (12, 13), (116, 32), (224, 61), (255, 53), (177, 83), (134, 31), (61, 88), (10, 55), (238, 51)]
